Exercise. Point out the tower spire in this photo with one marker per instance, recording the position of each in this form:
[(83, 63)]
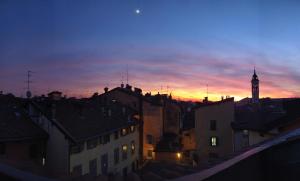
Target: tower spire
[(255, 87)]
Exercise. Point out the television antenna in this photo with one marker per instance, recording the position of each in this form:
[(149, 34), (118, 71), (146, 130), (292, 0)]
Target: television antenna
[(29, 75)]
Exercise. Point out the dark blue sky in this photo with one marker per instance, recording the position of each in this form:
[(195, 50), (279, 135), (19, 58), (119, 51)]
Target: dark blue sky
[(80, 46)]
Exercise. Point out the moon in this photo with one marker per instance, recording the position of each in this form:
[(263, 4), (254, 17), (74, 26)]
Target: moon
[(137, 11)]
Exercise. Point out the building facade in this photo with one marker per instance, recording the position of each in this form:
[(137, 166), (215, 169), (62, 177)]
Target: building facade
[(88, 138), (150, 113), (22, 142), (213, 133)]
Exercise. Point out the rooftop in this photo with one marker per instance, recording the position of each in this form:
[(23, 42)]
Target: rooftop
[(87, 118), (270, 114), (14, 121)]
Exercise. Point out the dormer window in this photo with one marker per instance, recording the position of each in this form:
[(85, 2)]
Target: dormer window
[(123, 131), (132, 128), (92, 143), (132, 147), (124, 152)]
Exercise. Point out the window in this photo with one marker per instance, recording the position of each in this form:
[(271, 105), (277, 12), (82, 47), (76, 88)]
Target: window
[(124, 152), (150, 153), (149, 139), (132, 128), (101, 140), (92, 143), (106, 139), (132, 147), (116, 156), (33, 151), (123, 131), (93, 167), (77, 170), (116, 134), (76, 148), (213, 141), (213, 125), (2, 148), (245, 133), (213, 155)]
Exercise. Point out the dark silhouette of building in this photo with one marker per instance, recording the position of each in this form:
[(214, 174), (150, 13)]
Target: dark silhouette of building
[(22, 142), (255, 88)]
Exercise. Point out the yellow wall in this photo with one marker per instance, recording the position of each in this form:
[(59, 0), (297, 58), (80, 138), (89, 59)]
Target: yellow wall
[(189, 140), (172, 117), (223, 113), (153, 125)]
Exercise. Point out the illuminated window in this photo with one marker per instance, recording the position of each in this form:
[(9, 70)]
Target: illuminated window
[(124, 152), (178, 155), (213, 141), (124, 132), (245, 132), (132, 147), (150, 152), (132, 128), (44, 161)]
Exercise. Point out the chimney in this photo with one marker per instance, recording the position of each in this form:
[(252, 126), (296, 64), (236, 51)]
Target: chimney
[(128, 87), (205, 99), (138, 90), (106, 89), (222, 98), (55, 95), (122, 85)]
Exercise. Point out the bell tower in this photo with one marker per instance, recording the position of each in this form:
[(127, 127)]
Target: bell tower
[(255, 88)]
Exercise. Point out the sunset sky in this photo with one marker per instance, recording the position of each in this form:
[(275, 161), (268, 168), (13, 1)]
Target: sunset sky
[(172, 46)]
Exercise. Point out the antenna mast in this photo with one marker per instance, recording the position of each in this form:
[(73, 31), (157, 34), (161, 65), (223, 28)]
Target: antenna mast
[(127, 77), (207, 90), (28, 93)]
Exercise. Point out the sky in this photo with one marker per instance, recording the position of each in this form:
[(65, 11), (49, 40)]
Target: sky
[(189, 48)]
